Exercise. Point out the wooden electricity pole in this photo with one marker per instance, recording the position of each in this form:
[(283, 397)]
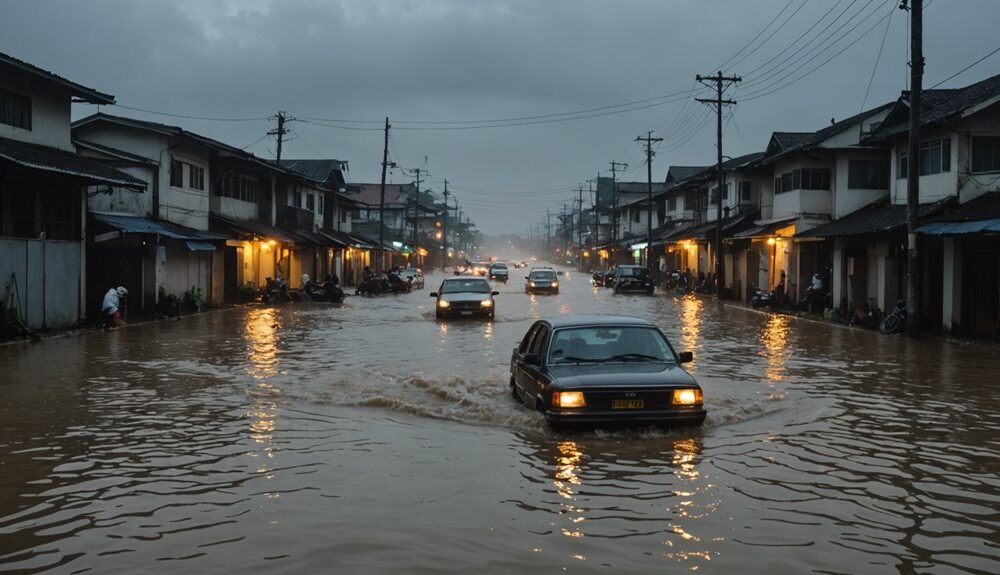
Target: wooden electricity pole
[(720, 83), (381, 201), (913, 165), (614, 204), (444, 228), (649, 139)]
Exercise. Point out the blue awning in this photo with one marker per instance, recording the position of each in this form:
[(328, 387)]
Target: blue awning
[(957, 228), (196, 246)]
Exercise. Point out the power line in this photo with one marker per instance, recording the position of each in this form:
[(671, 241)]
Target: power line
[(771, 35), (964, 69), (877, 59), (187, 117), (803, 35), (765, 91)]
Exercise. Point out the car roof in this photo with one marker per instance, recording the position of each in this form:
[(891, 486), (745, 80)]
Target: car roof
[(596, 320), (465, 277)]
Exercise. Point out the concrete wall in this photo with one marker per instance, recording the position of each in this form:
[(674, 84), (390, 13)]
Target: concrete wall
[(48, 280), (235, 209), (50, 114), (124, 200), (798, 202), (985, 123), (845, 200)]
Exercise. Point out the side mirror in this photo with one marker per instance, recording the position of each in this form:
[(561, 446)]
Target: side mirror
[(434, 294), (495, 293), (685, 357), (525, 277), (532, 359)]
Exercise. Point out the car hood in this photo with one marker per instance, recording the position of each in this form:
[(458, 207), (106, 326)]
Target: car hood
[(623, 373), (465, 296)]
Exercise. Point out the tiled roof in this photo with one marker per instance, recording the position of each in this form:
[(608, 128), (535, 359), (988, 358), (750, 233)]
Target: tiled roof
[(46, 159), (84, 93), (248, 229), (939, 106), (370, 194), (677, 174), (316, 170), (176, 131), (876, 218)]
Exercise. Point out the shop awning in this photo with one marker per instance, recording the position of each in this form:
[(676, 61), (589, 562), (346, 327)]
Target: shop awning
[(247, 229), (959, 228), (763, 230), (53, 160), (124, 224)]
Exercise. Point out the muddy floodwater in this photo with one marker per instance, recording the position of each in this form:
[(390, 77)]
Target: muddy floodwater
[(370, 438)]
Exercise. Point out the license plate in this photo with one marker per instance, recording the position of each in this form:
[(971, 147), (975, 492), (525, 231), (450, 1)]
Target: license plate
[(466, 313), (627, 404)]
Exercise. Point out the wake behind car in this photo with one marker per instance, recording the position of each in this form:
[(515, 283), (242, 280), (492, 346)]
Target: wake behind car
[(541, 280), (633, 279), (499, 272), (464, 296), (604, 370)]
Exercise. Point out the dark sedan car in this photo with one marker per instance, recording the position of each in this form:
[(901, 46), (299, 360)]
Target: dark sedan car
[(541, 280), (604, 370), (464, 296), (633, 279)]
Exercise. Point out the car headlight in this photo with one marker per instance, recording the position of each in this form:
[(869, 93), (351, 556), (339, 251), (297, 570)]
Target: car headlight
[(486, 303), (568, 399), (532, 284), (687, 397), (555, 284), (443, 304)]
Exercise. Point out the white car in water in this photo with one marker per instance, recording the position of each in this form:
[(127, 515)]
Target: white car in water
[(414, 274)]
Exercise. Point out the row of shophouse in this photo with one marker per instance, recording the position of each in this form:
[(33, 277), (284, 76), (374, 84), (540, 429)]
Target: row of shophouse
[(109, 201), (833, 202)]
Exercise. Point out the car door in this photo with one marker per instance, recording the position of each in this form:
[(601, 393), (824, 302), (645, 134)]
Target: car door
[(534, 381), (518, 360)]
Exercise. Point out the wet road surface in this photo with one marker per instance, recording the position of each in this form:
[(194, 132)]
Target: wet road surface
[(370, 438)]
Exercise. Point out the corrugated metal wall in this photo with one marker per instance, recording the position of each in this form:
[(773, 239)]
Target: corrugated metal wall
[(48, 280)]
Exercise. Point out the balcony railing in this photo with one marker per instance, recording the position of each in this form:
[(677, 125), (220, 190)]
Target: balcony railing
[(294, 218)]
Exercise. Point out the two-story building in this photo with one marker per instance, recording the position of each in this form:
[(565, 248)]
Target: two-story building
[(959, 169), (43, 198)]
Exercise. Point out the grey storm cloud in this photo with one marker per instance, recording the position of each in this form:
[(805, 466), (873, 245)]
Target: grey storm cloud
[(352, 61)]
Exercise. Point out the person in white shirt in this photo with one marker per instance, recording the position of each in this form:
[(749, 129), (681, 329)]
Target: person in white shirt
[(113, 304)]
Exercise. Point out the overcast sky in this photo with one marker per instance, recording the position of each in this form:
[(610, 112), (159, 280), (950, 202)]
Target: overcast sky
[(350, 61)]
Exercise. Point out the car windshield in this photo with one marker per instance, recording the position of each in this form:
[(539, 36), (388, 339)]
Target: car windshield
[(600, 344), (543, 275), (635, 272), (466, 286), (499, 267)]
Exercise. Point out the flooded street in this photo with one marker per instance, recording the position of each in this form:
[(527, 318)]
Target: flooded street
[(371, 438)]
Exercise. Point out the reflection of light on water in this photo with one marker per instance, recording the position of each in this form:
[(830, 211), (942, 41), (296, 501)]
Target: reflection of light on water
[(488, 332), (691, 318), (567, 480), (774, 339), (260, 331), (685, 452)]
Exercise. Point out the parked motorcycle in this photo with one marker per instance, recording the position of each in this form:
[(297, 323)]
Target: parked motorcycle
[(275, 292), (895, 321), (761, 298), (867, 316), (327, 291)]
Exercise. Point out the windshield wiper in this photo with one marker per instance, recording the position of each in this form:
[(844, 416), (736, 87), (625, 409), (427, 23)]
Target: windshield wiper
[(583, 359), (636, 356)]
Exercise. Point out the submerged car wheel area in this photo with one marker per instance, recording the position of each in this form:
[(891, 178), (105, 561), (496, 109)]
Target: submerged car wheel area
[(464, 296), (601, 370)]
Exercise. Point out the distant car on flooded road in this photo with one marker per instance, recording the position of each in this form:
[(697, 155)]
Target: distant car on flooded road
[(464, 296), (499, 272), (414, 274), (541, 280), (633, 279), (592, 370)]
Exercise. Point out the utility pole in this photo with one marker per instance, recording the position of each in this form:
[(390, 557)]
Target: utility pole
[(614, 204), (649, 139), (913, 164), (548, 232), (381, 201), (579, 227), (415, 250), (720, 82), (444, 228), (280, 132), (595, 204), (565, 229)]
